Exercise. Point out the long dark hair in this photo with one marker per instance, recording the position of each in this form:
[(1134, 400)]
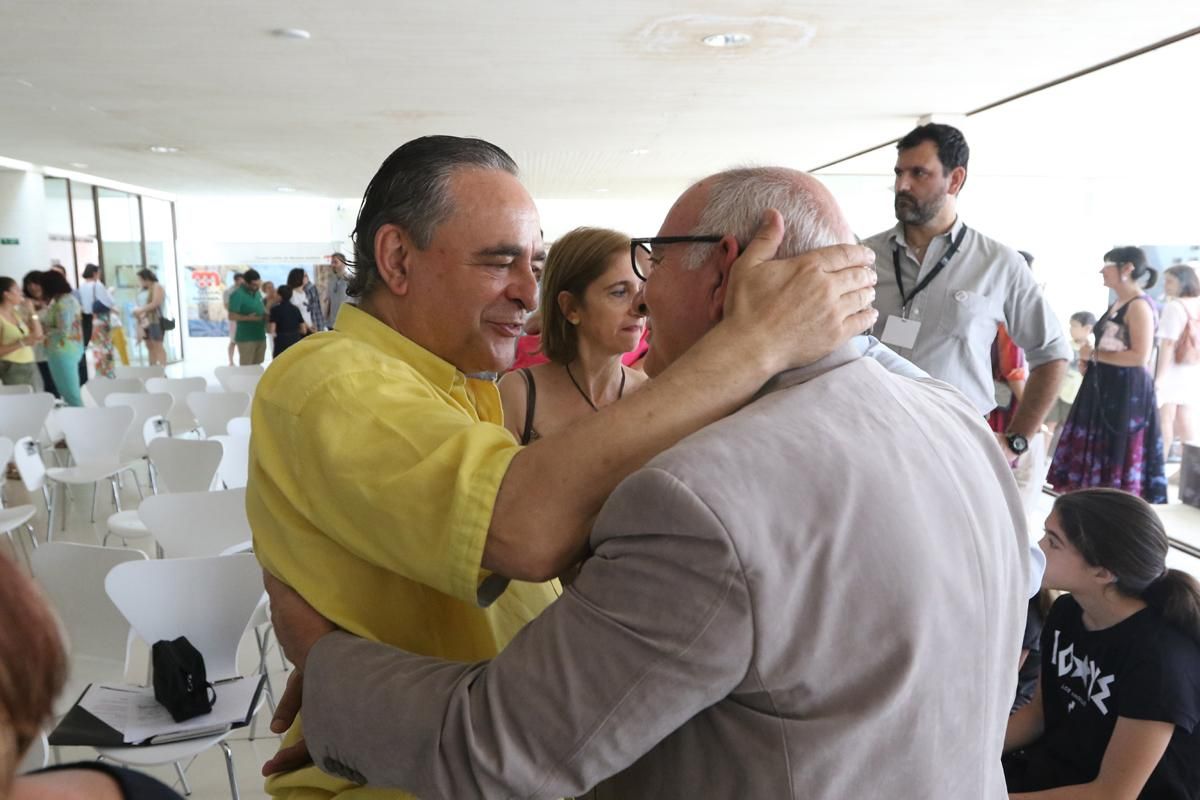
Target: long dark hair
[(53, 284), (1137, 257), (1122, 533), (295, 277)]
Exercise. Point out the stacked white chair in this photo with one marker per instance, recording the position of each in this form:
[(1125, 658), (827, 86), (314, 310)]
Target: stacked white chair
[(181, 418), (15, 517), (213, 410), (140, 373), (27, 454), (96, 389), (144, 407), (181, 465), (208, 600), (223, 373), (73, 575), (242, 383)]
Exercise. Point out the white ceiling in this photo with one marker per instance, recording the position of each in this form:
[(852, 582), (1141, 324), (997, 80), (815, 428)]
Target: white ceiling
[(614, 97)]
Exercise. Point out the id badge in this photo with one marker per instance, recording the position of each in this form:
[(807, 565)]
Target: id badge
[(900, 332)]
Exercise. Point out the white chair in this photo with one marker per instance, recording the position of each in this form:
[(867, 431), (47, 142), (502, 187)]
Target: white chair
[(21, 388), (213, 410), (181, 465), (27, 454), (15, 517), (222, 373), (96, 437), (239, 426), (181, 418), (72, 575), (208, 600), (242, 383), (235, 461), (191, 524), (24, 415), (36, 757), (95, 390), (144, 407), (140, 373)]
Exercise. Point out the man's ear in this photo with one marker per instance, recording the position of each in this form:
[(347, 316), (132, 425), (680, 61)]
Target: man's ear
[(958, 176), (393, 258), (727, 252)]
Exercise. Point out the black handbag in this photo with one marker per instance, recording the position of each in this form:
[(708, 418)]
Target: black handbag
[(168, 324), (180, 681)]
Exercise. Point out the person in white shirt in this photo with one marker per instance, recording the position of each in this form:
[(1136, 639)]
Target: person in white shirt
[(98, 308), (1177, 376)]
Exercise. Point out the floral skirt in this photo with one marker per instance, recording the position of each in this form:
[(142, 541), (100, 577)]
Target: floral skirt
[(1111, 437)]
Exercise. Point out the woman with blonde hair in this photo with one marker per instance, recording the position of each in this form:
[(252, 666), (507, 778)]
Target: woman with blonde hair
[(591, 316)]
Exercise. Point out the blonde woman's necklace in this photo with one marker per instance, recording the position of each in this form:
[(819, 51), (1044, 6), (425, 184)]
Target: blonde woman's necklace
[(584, 395)]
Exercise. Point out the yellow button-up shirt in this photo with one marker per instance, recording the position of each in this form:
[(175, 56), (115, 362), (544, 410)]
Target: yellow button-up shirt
[(374, 469)]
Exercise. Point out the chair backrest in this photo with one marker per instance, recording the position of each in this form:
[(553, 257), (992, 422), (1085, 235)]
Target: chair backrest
[(242, 383), (234, 471), (72, 576), (95, 435), (223, 373), (20, 388), (190, 524), (144, 407), (208, 600), (155, 427), (185, 465), (181, 417), (28, 456), (24, 415), (213, 410), (96, 389), (239, 426), (140, 373)]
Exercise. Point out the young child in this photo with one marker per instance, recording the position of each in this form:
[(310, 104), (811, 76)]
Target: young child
[(1082, 323), (1117, 704)]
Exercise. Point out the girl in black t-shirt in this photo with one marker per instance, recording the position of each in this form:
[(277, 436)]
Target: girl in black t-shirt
[(286, 324), (1118, 701)]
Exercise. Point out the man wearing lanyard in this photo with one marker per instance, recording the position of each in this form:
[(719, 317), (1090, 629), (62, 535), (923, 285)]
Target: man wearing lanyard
[(944, 287)]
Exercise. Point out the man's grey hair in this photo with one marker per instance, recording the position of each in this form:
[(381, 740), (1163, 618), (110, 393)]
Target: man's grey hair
[(412, 191), (737, 199)]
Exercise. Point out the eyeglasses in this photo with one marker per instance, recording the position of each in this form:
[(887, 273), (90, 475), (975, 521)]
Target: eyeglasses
[(641, 251)]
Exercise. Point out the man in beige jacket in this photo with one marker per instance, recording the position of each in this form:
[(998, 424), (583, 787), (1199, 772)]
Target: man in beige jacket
[(821, 596)]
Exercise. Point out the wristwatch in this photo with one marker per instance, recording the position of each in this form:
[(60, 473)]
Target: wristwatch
[(1017, 443)]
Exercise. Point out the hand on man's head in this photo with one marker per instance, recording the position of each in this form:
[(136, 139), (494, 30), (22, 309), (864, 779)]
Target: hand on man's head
[(800, 309)]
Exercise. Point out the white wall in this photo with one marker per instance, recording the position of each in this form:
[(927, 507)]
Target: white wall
[(22, 217)]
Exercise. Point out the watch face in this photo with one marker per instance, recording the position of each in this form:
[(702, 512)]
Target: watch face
[(1019, 444)]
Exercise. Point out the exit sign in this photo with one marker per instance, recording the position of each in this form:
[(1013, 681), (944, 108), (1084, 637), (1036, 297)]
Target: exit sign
[(10, 241)]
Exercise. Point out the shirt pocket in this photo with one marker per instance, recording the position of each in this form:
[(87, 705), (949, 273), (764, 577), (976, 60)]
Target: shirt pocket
[(970, 316)]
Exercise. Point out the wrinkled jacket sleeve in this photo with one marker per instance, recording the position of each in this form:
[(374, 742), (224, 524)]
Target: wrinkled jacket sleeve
[(655, 629)]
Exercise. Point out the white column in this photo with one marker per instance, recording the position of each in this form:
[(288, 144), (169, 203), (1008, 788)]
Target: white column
[(23, 219)]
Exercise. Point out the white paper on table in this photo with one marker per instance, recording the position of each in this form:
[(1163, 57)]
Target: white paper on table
[(109, 704)]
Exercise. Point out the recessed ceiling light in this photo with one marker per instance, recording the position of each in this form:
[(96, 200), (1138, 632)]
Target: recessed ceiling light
[(292, 33), (163, 148), (601, 191), (284, 189), (641, 151), (732, 39), (78, 165)]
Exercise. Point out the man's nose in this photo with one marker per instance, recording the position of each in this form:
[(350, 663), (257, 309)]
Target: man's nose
[(524, 287), (639, 302)]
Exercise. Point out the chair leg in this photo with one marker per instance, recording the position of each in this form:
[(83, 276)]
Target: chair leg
[(95, 490), (137, 484), (116, 494), (153, 477), (32, 535), (233, 789), (187, 789)]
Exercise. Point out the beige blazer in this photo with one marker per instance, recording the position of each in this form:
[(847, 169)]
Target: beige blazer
[(821, 596)]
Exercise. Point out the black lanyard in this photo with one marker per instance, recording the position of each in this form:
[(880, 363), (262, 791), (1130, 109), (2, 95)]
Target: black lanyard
[(933, 273)]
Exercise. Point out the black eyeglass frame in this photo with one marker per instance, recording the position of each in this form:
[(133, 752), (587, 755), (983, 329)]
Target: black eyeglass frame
[(646, 242)]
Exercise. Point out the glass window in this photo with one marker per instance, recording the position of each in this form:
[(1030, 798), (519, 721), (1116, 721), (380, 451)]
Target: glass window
[(121, 254), (160, 257)]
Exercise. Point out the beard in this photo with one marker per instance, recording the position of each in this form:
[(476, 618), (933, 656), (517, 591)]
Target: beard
[(911, 211)]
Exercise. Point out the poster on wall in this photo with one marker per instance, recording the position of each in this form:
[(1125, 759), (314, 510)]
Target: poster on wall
[(206, 285)]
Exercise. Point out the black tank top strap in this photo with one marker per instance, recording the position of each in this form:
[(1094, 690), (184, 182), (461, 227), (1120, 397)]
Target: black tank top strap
[(530, 403)]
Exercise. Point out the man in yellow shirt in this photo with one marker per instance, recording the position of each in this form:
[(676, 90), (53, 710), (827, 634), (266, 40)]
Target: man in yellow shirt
[(383, 486)]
